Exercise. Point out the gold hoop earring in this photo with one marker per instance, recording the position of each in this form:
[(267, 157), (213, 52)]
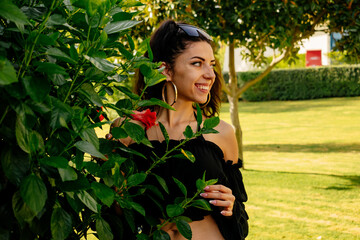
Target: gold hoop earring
[(207, 101), (175, 92)]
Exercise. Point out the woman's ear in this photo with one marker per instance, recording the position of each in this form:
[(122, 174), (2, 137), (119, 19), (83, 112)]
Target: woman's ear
[(166, 72)]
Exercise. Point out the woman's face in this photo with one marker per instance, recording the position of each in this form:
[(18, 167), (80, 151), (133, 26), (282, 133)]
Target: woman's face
[(193, 72)]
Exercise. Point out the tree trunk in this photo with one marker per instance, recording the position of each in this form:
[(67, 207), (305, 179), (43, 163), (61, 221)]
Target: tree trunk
[(233, 99)]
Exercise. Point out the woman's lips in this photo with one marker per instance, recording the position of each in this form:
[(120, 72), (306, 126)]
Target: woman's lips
[(202, 87)]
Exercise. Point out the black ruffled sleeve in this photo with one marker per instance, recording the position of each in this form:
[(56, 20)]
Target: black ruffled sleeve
[(235, 227)]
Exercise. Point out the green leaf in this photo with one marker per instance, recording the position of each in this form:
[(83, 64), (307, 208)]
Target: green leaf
[(50, 68), (22, 134), (89, 135), (128, 55), (202, 204), (137, 207), (15, 164), (79, 159), (153, 80), (131, 3), (188, 155), (104, 193), (181, 186), (131, 42), (129, 150), (188, 133), (207, 131), (184, 228), (100, 63), (142, 236), (174, 210), (88, 91), (211, 182), (154, 101), (88, 200), (70, 186), (10, 11), (136, 179), (103, 229), (103, 37), (7, 72), (118, 133), (61, 223), (92, 167), (73, 53), (150, 53), (121, 16), (115, 27), (61, 113), (211, 122), (21, 210), (36, 142), (37, 88), (34, 193), (124, 104), (164, 133), (56, 19), (198, 116), (67, 174), (89, 148), (161, 235), (147, 71), (57, 53), (74, 202), (162, 182), (200, 184), (127, 92), (57, 162), (135, 131)]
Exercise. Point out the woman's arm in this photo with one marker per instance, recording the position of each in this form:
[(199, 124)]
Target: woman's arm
[(220, 195)]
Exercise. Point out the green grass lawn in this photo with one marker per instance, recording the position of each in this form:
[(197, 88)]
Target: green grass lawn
[(302, 168)]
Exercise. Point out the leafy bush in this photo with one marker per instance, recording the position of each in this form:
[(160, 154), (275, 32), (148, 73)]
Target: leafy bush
[(309, 83), (58, 179)]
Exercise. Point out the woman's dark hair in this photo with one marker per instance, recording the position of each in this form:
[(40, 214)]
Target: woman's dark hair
[(166, 43)]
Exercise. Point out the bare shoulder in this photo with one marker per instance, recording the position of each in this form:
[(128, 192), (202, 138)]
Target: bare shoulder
[(226, 140)]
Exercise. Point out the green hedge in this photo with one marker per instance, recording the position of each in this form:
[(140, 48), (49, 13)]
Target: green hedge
[(307, 83)]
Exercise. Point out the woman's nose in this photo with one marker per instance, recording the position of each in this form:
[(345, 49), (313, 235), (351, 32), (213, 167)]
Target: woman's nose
[(209, 73)]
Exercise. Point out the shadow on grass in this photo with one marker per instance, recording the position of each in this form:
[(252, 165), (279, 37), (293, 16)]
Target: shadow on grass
[(354, 180), (315, 147)]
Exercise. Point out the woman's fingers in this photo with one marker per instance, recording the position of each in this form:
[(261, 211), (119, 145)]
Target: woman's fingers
[(220, 196)]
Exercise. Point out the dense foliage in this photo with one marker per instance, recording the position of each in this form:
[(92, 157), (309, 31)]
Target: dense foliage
[(305, 83), (58, 179)]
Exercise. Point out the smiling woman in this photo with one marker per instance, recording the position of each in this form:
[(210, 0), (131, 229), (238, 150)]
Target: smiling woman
[(192, 77)]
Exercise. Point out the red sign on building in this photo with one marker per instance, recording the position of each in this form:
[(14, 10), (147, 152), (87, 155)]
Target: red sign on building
[(313, 58)]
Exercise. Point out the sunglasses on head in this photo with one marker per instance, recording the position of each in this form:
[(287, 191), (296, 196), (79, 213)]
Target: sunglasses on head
[(193, 31)]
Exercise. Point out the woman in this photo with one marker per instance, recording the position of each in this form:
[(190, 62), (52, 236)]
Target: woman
[(192, 76)]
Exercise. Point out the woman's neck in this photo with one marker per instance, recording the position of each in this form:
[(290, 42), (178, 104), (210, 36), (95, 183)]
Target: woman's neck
[(184, 114)]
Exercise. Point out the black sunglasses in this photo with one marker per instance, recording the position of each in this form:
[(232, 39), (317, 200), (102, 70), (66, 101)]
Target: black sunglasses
[(193, 31)]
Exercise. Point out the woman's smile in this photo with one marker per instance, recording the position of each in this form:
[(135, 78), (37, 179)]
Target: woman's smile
[(205, 88)]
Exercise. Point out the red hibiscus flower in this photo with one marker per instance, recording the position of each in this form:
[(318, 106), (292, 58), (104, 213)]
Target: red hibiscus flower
[(146, 117), (101, 117)]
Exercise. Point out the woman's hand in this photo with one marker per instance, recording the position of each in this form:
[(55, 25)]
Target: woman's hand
[(220, 196)]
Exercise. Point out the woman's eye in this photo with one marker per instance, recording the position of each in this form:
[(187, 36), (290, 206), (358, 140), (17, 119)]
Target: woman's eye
[(197, 64)]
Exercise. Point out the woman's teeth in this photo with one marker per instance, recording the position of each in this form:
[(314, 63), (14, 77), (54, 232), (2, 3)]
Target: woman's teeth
[(203, 87)]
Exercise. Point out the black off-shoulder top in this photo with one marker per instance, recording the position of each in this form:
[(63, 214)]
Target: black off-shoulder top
[(209, 159)]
